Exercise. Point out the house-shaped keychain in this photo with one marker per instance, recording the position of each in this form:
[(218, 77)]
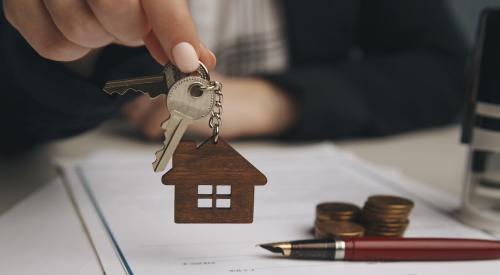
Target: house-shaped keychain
[(213, 183)]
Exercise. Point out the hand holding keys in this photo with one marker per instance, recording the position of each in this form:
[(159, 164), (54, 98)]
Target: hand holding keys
[(189, 98)]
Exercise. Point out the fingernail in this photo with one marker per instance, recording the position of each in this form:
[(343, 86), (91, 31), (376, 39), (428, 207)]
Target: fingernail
[(185, 57)]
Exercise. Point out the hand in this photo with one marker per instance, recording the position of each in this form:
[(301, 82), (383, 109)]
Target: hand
[(252, 107), (67, 30)]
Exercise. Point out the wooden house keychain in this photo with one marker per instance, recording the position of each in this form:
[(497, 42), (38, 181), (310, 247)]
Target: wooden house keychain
[(213, 182)]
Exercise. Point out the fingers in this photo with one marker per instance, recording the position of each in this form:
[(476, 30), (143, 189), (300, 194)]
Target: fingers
[(156, 50), (33, 21), (154, 47), (207, 57), (173, 27), (66, 30), (77, 23), (123, 19)]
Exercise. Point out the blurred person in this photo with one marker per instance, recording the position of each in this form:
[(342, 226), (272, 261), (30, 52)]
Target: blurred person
[(290, 69)]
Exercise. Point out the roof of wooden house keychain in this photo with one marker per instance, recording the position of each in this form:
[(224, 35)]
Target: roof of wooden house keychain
[(213, 183)]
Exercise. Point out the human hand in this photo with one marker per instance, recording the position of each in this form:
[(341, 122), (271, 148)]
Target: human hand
[(67, 30), (252, 107)]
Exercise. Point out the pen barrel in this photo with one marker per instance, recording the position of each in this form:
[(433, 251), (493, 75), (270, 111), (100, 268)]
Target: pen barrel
[(419, 249)]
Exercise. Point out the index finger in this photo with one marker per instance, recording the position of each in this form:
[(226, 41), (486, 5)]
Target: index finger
[(174, 33)]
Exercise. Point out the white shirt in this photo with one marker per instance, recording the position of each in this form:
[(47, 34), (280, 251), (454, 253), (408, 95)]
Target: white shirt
[(247, 36)]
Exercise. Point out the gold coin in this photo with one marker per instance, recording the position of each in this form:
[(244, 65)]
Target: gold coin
[(373, 234), (386, 230), (318, 234), (373, 219), (336, 218), (383, 233), (391, 211), (369, 211), (380, 212), (386, 226), (336, 209), (382, 219), (338, 229), (393, 202)]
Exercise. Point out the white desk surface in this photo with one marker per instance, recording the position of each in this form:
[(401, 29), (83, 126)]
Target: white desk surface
[(33, 210), (433, 156)]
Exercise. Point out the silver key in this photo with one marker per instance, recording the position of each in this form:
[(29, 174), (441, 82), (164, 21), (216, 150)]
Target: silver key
[(186, 102), (153, 85)]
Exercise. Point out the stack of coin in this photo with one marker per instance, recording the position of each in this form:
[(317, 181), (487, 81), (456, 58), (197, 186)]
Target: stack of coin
[(386, 215), (336, 219), (332, 229), (337, 211)]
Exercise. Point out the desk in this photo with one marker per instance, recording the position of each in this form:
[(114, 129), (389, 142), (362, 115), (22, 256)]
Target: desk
[(433, 157), (31, 228)]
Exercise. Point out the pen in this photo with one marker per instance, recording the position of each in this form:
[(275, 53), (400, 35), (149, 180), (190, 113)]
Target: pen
[(388, 249)]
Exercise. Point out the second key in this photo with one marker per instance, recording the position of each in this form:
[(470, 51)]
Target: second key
[(187, 102)]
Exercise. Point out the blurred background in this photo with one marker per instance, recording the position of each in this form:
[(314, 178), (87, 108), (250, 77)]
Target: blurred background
[(386, 151), (467, 13)]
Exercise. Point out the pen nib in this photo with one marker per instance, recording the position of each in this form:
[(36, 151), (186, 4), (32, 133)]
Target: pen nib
[(282, 248), (271, 248)]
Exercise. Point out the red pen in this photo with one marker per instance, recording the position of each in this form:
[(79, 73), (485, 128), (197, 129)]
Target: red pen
[(389, 249)]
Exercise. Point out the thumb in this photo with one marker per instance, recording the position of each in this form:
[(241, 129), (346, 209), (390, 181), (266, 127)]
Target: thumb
[(173, 35)]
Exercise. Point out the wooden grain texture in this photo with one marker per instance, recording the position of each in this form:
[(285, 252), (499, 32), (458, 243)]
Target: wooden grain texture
[(212, 164)]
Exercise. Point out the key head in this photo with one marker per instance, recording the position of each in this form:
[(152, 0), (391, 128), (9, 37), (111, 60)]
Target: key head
[(153, 85), (186, 98), (173, 74)]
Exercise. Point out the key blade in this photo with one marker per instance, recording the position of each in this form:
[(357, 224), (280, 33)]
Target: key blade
[(174, 127), (184, 109), (151, 85), (160, 162)]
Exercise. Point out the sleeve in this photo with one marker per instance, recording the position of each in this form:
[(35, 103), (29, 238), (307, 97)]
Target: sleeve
[(408, 74), (41, 100)]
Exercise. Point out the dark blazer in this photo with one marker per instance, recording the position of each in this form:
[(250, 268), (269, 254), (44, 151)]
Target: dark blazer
[(357, 68)]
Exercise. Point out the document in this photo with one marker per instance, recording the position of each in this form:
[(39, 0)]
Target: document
[(42, 235), (129, 214)]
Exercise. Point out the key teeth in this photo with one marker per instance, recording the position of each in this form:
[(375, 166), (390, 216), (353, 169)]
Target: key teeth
[(156, 163), (120, 91), (110, 92), (163, 125)]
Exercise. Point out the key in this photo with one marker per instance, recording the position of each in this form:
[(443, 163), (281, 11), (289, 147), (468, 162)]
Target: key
[(154, 85), (186, 102)]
